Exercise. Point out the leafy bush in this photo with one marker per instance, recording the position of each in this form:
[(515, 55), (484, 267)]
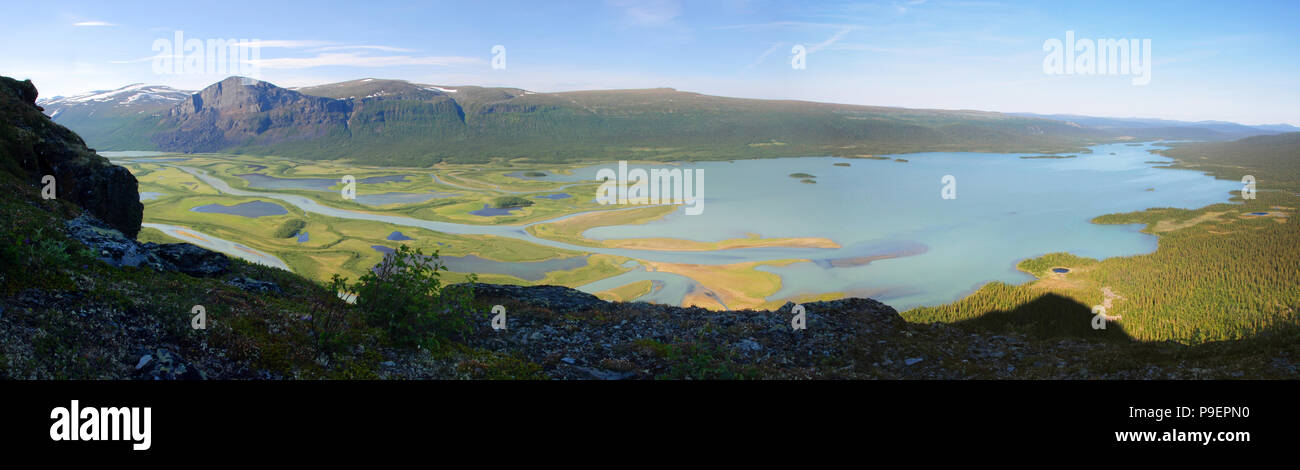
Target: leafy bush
[(404, 296), (511, 201), (290, 228)]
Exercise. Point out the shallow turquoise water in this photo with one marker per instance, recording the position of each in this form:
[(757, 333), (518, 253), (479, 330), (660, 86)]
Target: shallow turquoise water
[(1007, 209)]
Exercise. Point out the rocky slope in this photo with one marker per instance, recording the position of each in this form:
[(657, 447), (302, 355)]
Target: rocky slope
[(245, 112)]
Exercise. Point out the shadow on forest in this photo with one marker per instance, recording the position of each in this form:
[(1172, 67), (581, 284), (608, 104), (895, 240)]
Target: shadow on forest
[(1049, 316)]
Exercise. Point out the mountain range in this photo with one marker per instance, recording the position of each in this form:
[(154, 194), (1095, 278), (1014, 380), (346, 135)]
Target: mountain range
[(394, 122)]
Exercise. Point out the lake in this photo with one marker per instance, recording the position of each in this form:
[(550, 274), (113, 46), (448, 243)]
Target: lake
[(251, 209), (1007, 209), (901, 242)]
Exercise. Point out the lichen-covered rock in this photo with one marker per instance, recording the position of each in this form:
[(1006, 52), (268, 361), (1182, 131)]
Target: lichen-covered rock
[(114, 248)]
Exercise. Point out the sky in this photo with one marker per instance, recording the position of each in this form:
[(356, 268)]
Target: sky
[(1224, 60)]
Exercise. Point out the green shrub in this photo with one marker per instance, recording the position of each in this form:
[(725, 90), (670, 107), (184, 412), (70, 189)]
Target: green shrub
[(511, 201), (290, 228), (404, 296)]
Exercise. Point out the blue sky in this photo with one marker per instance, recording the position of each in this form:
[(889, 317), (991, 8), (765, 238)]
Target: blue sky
[(1232, 61)]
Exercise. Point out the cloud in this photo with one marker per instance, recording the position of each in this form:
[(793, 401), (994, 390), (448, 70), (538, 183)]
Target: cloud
[(358, 60), (366, 47), (289, 44), (764, 55), (93, 23), (649, 12), (785, 25), (832, 40), (903, 9)]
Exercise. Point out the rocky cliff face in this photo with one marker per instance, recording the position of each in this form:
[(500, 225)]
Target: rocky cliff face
[(32, 146), (241, 111)]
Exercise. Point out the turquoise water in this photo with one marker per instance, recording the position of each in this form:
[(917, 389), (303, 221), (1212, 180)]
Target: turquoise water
[(901, 242), (1007, 209)]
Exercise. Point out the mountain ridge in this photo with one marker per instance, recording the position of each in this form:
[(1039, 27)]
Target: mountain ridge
[(394, 122)]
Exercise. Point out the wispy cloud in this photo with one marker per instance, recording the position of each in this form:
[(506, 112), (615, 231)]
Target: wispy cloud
[(649, 12), (358, 60), (764, 55), (289, 43), (902, 7), (364, 47), (93, 23), (785, 25), (831, 40)]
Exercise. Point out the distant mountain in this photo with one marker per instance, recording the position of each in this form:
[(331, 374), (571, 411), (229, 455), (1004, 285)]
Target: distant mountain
[(114, 119), (1171, 129), (398, 122)]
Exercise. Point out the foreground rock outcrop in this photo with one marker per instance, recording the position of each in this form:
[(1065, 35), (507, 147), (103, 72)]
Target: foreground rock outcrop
[(114, 248), (32, 146)]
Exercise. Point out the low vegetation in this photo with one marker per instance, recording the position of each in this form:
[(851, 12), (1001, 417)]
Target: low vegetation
[(504, 202), (405, 296), (290, 228)]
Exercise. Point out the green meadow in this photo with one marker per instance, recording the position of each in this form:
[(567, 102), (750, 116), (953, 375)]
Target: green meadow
[(345, 246)]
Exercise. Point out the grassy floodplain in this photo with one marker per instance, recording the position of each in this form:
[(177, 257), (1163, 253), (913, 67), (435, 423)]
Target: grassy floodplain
[(345, 246)]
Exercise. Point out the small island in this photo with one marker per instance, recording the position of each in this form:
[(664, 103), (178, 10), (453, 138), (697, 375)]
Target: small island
[(801, 175), (507, 202), (1054, 157), (842, 164), (534, 174), (808, 181), (903, 160)]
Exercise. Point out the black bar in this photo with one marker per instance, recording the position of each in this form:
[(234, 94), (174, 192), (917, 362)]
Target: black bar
[(328, 418)]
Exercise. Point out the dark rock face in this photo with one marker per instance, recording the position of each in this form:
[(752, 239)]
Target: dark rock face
[(242, 111), (32, 146), (555, 298), (190, 259)]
